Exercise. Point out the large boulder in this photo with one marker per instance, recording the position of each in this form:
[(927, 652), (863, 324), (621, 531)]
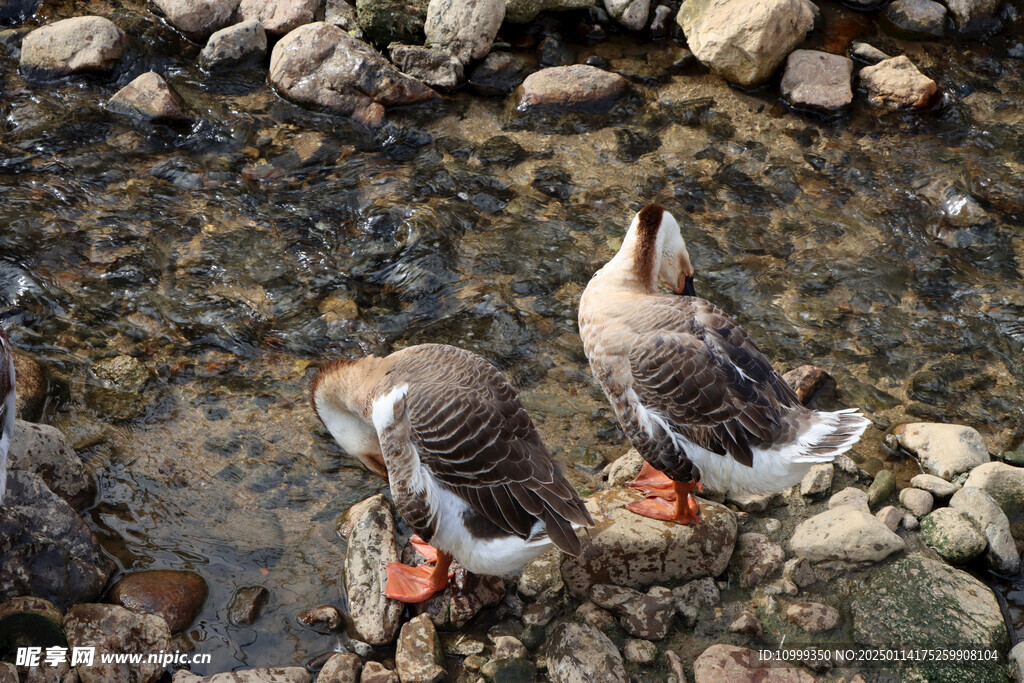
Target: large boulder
[(76, 45), (321, 65), (741, 41), (579, 653), (466, 28), (44, 450), (953, 535), (198, 19), (572, 88), (47, 550), (279, 16), (1005, 483), (896, 83), (113, 629), (370, 531), (945, 450), (626, 549), (844, 535)]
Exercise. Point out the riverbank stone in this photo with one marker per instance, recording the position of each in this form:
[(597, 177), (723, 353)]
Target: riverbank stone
[(175, 596), (1005, 483), (723, 662), (435, 67), (580, 653), (850, 496), (631, 14), (744, 42), (806, 379), (883, 486), (919, 502), (246, 604), (45, 451), (31, 386), (571, 88), (343, 667), (419, 657), (755, 559), (648, 616), (813, 617), (916, 18), (197, 19), (896, 83), (953, 535), (278, 17), (277, 674), (844, 535), (500, 73), (1001, 553), (72, 46), (392, 21), (525, 11), (321, 65), (626, 549), (149, 97), (243, 44), (465, 28), (818, 479), (969, 13), (937, 486), (945, 450), (114, 629), (817, 80)]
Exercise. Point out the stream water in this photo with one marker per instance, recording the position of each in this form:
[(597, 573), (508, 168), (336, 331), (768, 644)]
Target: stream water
[(233, 256)]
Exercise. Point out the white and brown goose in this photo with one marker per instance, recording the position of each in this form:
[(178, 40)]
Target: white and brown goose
[(694, 394), (7, 407), (467, 469)]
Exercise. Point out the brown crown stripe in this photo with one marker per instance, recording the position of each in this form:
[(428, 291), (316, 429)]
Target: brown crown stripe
[(647, 241), (325, 370)]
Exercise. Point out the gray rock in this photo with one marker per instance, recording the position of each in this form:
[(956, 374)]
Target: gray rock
[(1016, 658), (320, 65), (525, 11), (746, 623), (867, 53), (419, 657), (341, 14), (745, 43), (579, 653), (436, 67), (197, 19), (910, 522), (541, 575), (1001, 553), (953, 535), (919, 502), (818, 479), (731, 663), (572, 88), (916, 18), (945, 450), (883, 486), (800, 571), (239, 45), (371, 544), (43, 450), (938, 487), (280, 674), (246, 604), (890, 516), (175, 596), (70, 46), (392, 21), (592, 615), (647, 616), (640, 651), (813, 617), (625, 469), (149, 97), (111, 628), (819, 81), (752, 502), (755, 559), (661, 21), (626, 549), (500, 73), (1005, 483), (343, 667), (507, 647), (48, 552), (509, 669), (967, 13), (278, 17), (629, 13), (844, 535), (465, 28), (850, 496)]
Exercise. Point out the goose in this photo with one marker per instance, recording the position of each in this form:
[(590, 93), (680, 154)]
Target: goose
[(467, 469), (7, 408), (693, 393)]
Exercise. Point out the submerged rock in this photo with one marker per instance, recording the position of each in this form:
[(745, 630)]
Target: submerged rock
[(844, 535), (197, 19), (49, 552), (279, 16), (435, 67), (465, 28), (118, 392), (500, 73), (43, 450), (419, 657), (30, 622), (114, 629), (1001, 552), (626, 549), (246, 604), (149, 97), (371, 544), (745, 42), (572, 88), (30, 381), (897, 83), (239, 45), (817, 80), (175, 596), (917, 18), (321, 65), (806, 379), (1005, 483), (579, 653), (867, 53), (70, 46), (968, 13), (731, 663)]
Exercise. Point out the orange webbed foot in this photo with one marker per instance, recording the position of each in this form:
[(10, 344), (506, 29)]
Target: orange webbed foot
[(428, 551), (684, 509), (415, 584), (652, 482)]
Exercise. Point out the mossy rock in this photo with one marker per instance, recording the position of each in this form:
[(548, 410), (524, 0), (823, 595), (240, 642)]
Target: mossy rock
[(392, 21)]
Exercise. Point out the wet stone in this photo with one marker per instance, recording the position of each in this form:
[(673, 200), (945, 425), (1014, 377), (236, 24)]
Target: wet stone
[(661, 22), (813, 617), (371, 543), (818, 480), (890, 516), (30, 384), (916, 18), (30, 622), (44, 451), (149, 97), (1005, 483), (631, 14), (579, 653), (1001, 553), (731, 663), (938, 487), (392, 21), (243, 44), (806, 379), (525, 11), (280, 674), (465, 28), (175, 596), (197, 19), (571, 88), (119, 393), (552, 51), (867, 53), (111, 628), (500, 73), (945, 450), (970, 13), (849, 496), (343, 667), (246, 604), (883, 486), (278, 17), (817, 80), (76, 45), (436, 67), (755, 558), (419, 657), (919, 502), (953, 535), (896, 83)]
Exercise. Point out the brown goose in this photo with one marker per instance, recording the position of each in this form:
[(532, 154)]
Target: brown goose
[(694, 394), (467, 469), (7, 408)]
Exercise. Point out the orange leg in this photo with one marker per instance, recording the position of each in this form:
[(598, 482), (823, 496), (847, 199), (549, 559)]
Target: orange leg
[(428, 551), (652, 482), (416, 584), (683, 509)]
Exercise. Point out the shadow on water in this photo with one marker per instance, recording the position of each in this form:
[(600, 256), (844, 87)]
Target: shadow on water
[(233, 256)]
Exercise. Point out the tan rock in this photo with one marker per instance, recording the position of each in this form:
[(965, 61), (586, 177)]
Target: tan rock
[(806, 379), (465, 28), (197, 19), (813, 617), (419, 657), (844, 535), (579, 653), (149, 97), (113, 629), (739, 665), (897, 83), (371, 544), (279, 16), (573, 88), (77, 45)]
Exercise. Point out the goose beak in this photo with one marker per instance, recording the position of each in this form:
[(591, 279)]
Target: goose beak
[(685, 286)]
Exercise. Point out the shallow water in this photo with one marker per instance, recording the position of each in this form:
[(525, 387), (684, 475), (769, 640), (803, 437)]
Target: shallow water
[(233, 256)]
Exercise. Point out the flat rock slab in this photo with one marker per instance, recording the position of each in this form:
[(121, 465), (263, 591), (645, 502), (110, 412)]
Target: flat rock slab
[(844, 535), (896, 83), (238, 45), (571, 88), (739, 665), (113, 629), (176, 596), (321, 65), (817, 80), (625, 549), (70, 46), (371, 544), (465, 28), (197, 19), (45, 451), (580, 653), (741, 41), (149, 97)]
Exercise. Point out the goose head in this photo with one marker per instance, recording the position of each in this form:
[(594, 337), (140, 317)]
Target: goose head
[(659, 250)]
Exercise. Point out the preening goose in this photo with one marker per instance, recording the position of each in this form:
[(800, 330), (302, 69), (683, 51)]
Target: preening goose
[(7, 408), (467, 469), (693, 393)]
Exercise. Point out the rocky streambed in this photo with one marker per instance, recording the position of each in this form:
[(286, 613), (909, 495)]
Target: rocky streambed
[(204, 202)]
